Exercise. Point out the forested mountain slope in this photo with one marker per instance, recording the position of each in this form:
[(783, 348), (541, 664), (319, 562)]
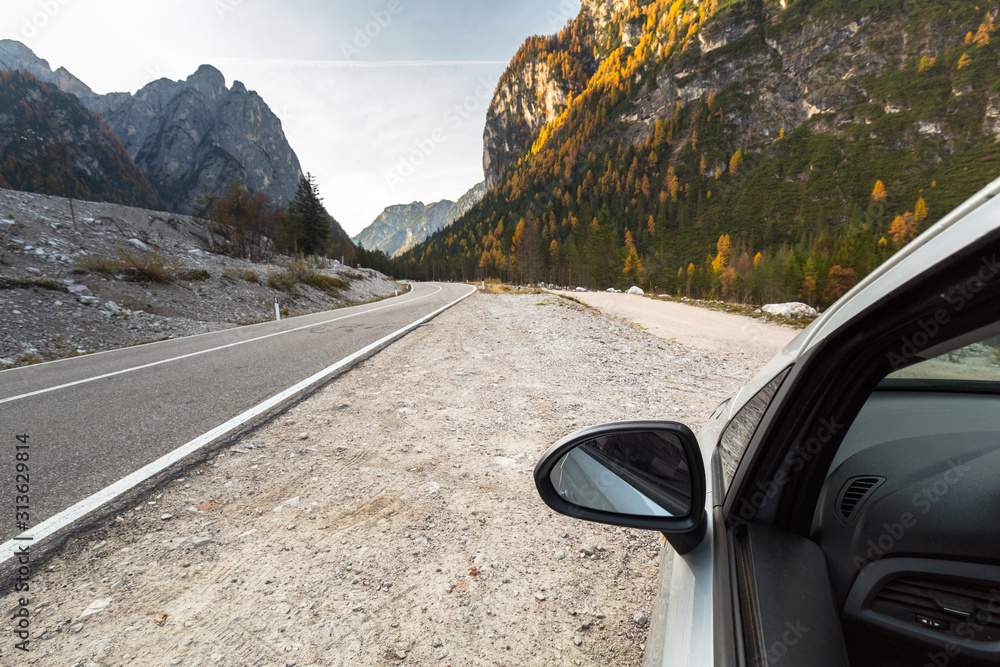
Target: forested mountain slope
[(755, 150)]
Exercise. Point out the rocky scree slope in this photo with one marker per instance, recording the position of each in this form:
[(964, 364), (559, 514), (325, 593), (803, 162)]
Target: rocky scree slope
[(399, 228), (188, 136), (124, 276)]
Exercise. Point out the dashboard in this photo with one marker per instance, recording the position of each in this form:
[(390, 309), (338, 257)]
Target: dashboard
[(909, 522)]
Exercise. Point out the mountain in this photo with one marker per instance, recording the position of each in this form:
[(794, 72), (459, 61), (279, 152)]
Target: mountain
[(756, 150), (399, 228), (189, 137), (51, 144), (16, 56)]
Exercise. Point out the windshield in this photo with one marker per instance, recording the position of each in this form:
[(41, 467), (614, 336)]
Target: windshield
[(979, 362)]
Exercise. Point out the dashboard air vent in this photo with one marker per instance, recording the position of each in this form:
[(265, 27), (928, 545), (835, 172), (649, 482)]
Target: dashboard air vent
[(854, 494), (947, 607)]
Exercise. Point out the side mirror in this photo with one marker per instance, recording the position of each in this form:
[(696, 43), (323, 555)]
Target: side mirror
[(647, 475)]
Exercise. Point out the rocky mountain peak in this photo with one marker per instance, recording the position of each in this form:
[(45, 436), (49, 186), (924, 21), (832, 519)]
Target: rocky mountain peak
[(208, 81), (398, 228), (16, 56)]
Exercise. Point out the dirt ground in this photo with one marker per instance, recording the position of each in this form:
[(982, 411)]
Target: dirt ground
[(692, 326), (391, 518)]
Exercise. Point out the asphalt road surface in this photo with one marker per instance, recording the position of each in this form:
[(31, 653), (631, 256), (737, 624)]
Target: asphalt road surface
[(93, 420)]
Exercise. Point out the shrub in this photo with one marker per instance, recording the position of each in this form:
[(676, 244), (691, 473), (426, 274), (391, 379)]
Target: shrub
[(236, 273), (328, 284), (281, 280), (148, 266), (141, 267), (99, 264), (195, 274)]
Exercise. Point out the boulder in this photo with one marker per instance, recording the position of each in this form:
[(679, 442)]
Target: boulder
[(636, 290), (792, 311)]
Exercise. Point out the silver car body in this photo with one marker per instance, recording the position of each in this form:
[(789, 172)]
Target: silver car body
[(681, 630)]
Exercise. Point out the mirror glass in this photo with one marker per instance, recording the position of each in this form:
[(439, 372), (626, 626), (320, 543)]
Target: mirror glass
[(642, 473)]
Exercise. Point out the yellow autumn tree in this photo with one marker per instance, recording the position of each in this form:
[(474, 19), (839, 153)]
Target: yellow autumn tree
[(673, 184), (964, 61), (736, 163), (926, 63), (725, 250), (982, 36), (903, 229), (879, 193), (920, 212), (633, 265)]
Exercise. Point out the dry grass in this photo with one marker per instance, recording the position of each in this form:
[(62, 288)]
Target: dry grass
[(141, 267), (236, 273)]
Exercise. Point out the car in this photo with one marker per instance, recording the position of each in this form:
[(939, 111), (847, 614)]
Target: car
[(844, 506)]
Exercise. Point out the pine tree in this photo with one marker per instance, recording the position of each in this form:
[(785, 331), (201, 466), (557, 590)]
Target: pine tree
[(308, 219)]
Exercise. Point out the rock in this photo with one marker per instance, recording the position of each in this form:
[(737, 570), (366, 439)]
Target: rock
[(136, 243), (95, 608), (793, 310), (578, 640), (167, 517), (581, 289), (77, 627), (401, 655), (587, 550), (640, 620), (560, 555), (79, 290), (202, 539), (294, 502), (437, 643), (540, 597), (636, 290)]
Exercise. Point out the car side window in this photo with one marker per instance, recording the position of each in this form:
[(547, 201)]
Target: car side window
[(736, 438)]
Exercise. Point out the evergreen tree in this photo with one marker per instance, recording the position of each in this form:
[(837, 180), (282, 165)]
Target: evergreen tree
[(308, 220)]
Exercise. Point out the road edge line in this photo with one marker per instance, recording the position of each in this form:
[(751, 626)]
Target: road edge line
[(189, 355)]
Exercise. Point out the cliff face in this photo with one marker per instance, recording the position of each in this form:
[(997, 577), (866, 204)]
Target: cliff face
[(188, 136), (399, 228), (51, 144), (774, 63), (197, 135)]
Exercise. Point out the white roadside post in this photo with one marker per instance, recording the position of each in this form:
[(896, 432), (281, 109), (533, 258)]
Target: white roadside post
[(277, 310)]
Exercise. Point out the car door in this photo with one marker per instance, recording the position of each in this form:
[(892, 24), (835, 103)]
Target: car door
[(773, 599)]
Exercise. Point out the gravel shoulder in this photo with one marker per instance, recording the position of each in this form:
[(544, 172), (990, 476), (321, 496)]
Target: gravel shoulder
[(692, 326), (391, 518)]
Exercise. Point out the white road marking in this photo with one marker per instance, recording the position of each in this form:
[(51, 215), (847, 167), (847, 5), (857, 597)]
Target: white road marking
[(200, 352), (91, 503)]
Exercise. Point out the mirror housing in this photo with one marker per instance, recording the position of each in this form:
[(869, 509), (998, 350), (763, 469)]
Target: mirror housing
[(684, 532)]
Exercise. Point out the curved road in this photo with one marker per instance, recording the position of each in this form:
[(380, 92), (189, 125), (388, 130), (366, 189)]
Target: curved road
[(95, 420)]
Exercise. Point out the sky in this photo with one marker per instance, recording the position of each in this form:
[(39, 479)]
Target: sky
[(384, 101)]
